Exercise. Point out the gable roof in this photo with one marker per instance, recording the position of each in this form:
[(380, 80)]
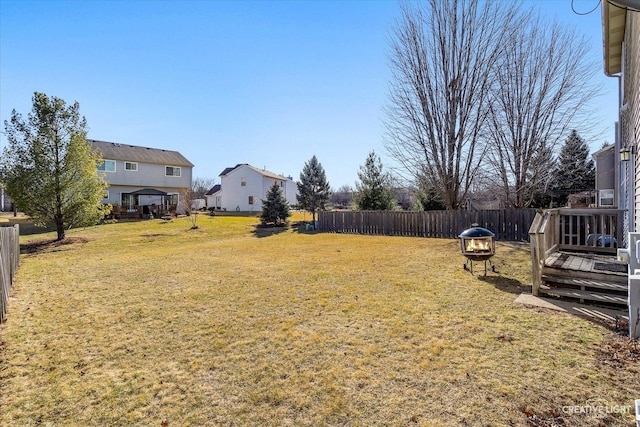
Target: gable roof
[(133, 153), (603, 150), (262, 172), (213, 190), (226, 171)]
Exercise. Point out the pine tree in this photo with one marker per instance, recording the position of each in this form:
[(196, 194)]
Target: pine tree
[(313, 188), (575, 170), (275, 210), (48, 168), (374, 191), (429, 200)]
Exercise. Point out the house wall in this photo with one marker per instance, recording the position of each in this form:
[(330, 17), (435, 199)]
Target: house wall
[(291, 192), (630, 119), (235, 196), (214, 200), (148, 176), (605, 169), (288, 187), (606, 177)]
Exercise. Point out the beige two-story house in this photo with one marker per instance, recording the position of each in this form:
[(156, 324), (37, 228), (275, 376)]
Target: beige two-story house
[(142, 180)]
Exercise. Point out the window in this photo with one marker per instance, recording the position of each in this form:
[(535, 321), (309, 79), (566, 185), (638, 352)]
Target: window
[(130, 166), (281, 184), (129, 201), (606, 198), (172, 171), (107, 166), (172, 199), (251, 200), (243, 182)]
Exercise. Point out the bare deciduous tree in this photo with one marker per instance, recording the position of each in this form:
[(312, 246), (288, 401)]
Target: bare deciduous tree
[(442, 57), (200, 186), (541, 90), (187, 200), (342, 197)]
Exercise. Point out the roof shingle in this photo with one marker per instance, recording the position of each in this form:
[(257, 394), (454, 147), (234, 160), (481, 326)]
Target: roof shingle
[(133, 153)]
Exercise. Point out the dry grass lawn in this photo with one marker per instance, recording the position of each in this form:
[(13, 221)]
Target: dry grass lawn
[(152, 323)]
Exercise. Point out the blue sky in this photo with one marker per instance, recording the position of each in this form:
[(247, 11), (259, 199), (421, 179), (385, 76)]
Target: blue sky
[(266, 83)]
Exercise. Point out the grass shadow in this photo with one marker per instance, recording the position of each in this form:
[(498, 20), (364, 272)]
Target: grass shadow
[(261, 231), (505, 284), (303, 228), (51, 245)]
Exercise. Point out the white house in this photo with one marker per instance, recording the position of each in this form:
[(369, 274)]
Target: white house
[(243, 187)]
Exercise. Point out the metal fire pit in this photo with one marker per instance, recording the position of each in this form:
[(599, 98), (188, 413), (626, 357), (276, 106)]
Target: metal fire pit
[(478, 244)]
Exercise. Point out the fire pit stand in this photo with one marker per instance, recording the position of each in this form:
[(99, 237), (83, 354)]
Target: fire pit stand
[(478, 244)]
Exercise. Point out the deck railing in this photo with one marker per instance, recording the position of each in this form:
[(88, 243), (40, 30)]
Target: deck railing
[(589, 230), (141, 211)]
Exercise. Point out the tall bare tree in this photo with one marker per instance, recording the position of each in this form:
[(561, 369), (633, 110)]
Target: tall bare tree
[(442, 57), (542, 88)]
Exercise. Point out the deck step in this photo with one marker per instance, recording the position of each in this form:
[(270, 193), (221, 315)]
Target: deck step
[(584, 295), (586, 283), (599, 277)]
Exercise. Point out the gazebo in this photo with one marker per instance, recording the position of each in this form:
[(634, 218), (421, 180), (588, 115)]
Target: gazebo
[(152, 210)]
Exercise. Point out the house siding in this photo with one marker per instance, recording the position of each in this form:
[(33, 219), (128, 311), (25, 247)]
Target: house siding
[(148, 175), (605, 168), (630, 120), (238, 199)]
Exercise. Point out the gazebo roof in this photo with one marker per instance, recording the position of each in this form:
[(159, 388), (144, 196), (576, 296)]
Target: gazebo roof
[(149, 192)]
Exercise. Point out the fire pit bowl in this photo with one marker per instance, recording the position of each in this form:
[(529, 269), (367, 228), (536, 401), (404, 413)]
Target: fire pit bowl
[(478, 244)]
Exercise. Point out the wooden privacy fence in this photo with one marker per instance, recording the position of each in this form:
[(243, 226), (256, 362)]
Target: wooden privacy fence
[(507, 224), (9, 260)]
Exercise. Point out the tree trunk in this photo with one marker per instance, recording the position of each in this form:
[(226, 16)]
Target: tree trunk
[(60, 227)]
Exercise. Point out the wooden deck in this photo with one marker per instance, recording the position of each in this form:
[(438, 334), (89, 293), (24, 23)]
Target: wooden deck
[(588, 263), (583, 277), (573, 253)]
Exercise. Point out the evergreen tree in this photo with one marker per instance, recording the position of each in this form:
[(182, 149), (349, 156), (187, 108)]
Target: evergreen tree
[(48, 168), (575, 170), (430, 200), (374, 191), (275, 210), (313, 188)]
